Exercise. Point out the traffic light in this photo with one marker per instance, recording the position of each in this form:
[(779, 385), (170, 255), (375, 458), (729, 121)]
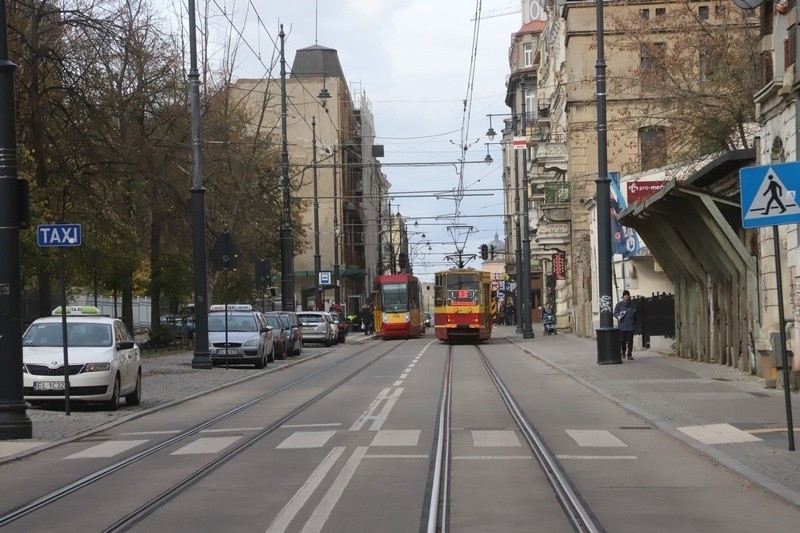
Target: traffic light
[(491, 251), (484, 251)]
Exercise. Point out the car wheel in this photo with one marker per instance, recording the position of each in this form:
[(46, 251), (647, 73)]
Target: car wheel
[(135, 398), (298, 349), (327, 342), (261, 361), (113, 403), (283, 352)]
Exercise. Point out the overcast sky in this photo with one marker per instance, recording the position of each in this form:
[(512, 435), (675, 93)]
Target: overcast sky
[(412, 58)]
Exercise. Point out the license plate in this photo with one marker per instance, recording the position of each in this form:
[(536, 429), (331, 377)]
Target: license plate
[(48, 385), (231, 352)]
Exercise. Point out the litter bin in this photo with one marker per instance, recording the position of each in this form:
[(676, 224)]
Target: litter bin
[(608, 346)]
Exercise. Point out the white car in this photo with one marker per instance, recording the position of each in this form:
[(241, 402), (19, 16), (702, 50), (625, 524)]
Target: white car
[(316, 327), (240, 336), (104, 361)]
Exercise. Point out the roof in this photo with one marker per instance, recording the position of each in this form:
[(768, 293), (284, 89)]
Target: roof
[(316, 61), (533, 26), (720, 167)]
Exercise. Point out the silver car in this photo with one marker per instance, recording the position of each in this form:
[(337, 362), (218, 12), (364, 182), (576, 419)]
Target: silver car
[(316, 327), (240, 336)]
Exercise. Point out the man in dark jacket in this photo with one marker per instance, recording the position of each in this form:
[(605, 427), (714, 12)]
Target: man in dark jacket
[(625, 313), (366, 319)]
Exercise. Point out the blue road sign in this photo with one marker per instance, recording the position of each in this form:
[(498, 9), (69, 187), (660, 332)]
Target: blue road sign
[(768, 195), (49, 235)]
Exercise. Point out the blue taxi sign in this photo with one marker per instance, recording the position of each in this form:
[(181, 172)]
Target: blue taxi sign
[(767, 194), (56, 235)]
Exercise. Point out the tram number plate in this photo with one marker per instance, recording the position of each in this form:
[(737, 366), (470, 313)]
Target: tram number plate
[(48, 385)]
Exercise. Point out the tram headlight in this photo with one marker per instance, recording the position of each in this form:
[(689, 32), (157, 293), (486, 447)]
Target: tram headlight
[(385, 318), (407, 318)]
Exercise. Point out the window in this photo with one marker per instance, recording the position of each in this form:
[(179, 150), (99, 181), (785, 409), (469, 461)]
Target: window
[(645, 14), (702, 12), (527, 52), (661, 11), (394, 297), (462, 289), (530, 105), (653, 147), (651, 54)]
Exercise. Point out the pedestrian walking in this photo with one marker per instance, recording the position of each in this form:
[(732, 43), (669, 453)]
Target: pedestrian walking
[(625, 313), (366, 319)]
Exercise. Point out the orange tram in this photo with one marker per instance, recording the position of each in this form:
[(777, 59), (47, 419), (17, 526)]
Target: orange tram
[(397, 305), (463, 305)]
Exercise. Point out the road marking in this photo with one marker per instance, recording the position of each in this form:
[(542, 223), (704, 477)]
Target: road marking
[(134, 433), (596, 438), (206, 445), (718, 434), (106, 449), (387, 408), (306, 439), (359, 423), (492, 457), (593, 457), (402, 376), (396, 437), (501, 438), (332, 424), (290, 510), (398, 383), (230, 430), (394, 456), (325, 507)]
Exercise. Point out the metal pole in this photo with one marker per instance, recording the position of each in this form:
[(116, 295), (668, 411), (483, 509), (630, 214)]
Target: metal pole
[(202, 357), (337, 290), (607, 335), (527, 330), (14, 422), (287, 245), (317, 258), (64, 336), (518, 247), (782, 332)]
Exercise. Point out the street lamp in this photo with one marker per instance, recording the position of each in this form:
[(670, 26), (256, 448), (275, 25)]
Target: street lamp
[(608, 351), (527, 330), (317, 258), (287, 243)]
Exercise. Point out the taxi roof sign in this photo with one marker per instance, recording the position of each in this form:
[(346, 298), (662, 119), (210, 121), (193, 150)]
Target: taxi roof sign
[(78, 310), (231, 307)]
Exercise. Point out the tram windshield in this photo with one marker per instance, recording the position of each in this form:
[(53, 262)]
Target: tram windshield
[(394, 297), (462, 289)]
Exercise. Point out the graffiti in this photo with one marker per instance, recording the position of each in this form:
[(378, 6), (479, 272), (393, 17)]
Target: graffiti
[(605, 303)]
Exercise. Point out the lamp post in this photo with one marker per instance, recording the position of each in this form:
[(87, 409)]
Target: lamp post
[(202, 356), (287, 244), (337, 290), (14, 422), (607, 335), (527, 330), (317, 258)]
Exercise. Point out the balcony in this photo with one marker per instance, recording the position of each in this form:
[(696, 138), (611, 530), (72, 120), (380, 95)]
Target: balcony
[(556, 205)]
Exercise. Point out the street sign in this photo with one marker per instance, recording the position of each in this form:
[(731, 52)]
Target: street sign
[(500, 295), (51, 235), (520, 142), (324, 278), (768, 195), (495, 286), (225, 254)]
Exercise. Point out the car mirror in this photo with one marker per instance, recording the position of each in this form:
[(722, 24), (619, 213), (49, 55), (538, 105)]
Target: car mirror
[(266, 329), (124, 345)]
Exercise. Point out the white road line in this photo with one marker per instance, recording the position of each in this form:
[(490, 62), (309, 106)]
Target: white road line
[(492, 457), (300, 497), (394, 456), (231, 430), (486, 438), (332, 424), (398, 383), (325, 507), (306, 439), (396, 437), (206, 445), (718, 434), (595, 438), (404, 376), (106, 449), (596, 457), (359, 423), (387, 408), (134, 433)]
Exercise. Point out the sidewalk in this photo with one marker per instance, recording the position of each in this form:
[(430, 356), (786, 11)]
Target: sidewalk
[(717, 410)]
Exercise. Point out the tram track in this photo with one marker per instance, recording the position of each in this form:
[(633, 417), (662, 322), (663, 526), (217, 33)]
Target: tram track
[(131, 519), (575, 509)]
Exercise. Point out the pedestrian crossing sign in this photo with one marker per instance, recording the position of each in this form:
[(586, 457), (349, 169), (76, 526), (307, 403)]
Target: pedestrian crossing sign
[(768, 195)]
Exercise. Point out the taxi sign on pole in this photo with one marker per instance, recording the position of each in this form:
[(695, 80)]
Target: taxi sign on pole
[(56, 235), (768, 195)]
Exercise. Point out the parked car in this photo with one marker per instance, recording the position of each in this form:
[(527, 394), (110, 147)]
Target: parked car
[(295, 332), (280, 334), (104, 361), (334, 327), (316, 327), (428, 320), (342, 326), (182, 325), (240, 335)]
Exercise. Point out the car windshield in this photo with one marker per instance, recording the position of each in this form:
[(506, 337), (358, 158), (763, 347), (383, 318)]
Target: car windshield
[(236, 322), (78, 334), (310, 319), (274, 321), (394, 297)]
